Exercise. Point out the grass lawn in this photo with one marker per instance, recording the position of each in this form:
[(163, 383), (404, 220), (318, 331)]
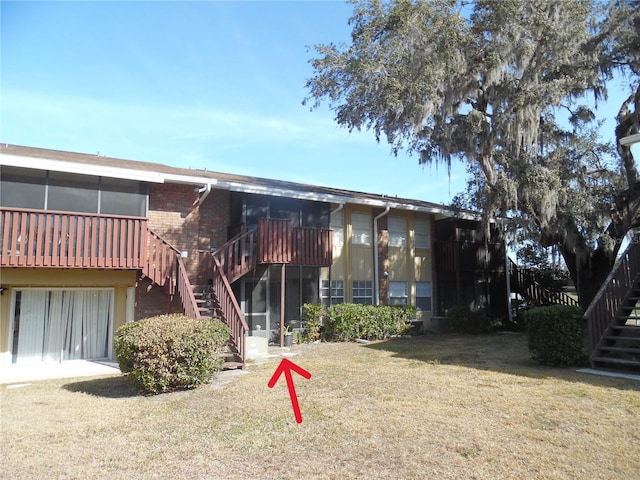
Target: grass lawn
[(434, 407)]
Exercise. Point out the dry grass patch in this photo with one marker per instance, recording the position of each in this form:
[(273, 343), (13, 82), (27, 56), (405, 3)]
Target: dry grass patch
[(427, 407)]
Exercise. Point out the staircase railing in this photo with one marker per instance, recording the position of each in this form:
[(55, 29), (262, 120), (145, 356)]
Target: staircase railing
[(613, 293), (165, 268), (231, 313), (185, 291), (526, 283), (237, 256)]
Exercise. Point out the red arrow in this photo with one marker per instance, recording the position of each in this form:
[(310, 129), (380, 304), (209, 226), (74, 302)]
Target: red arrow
[(286, 366)]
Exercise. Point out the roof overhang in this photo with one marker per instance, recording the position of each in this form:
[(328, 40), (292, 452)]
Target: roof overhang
[(345, 199), (101, 170), (630, 140), (79, 168)]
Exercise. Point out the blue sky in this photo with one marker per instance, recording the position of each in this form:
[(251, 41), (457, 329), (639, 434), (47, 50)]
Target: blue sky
[(216, 85)]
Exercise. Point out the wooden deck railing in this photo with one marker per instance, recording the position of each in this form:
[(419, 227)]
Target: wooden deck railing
[(39, 238), (231, 311), (237, 257), (527, 284), (312, 247), (279, 242), (454, 255), (164, 267), (613, 293)]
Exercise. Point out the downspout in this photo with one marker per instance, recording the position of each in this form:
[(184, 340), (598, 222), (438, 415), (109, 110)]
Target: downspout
[(203, 192), (376, 272)]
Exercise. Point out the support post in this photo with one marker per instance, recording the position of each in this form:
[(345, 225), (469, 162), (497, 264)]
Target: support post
[(282, 304)]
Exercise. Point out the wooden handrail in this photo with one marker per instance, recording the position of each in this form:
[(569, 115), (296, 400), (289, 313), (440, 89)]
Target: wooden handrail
[(161, 259), (231, 312), (613, 293), (531, 287), (165, 267), (45, 238), (237, 256), (185, 291)]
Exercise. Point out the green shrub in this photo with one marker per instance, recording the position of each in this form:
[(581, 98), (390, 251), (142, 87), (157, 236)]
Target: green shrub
[(170, 352), (347, 322), (556, 334), (312, 315), (463, 320)]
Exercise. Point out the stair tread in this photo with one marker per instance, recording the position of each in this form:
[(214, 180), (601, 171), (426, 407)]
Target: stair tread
[(615, 337), (232, 365), (621, 361), (620, 349)]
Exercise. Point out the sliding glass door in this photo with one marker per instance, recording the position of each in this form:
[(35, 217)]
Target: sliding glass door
[(61, 324)]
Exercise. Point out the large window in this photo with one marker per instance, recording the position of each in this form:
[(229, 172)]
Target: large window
[(338, 229), (363, 292), (397, 227), (22, 188), (397, 293), (361, 229), (423, 296), (421, 228), (332, 293), (67, 192), (73, 193), (61, 324)]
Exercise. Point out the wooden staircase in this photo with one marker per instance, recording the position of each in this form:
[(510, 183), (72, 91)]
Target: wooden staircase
[(165, 268), (528, 285), (613, 318)]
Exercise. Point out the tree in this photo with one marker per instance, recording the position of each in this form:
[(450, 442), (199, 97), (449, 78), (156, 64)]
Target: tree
[(503, 86)]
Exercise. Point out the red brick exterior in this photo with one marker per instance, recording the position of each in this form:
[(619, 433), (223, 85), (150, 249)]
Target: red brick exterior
[(382, 243), (176, 215)]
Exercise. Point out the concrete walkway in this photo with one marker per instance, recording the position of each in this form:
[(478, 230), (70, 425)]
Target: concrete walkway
[(68, 369), (85, 368)]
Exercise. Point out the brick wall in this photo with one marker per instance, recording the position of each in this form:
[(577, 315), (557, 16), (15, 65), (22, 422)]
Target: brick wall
[(382, 243), (152, 300), (175, 216)]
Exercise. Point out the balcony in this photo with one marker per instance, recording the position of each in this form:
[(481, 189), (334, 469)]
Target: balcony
[(464, 256), (279, 242), (39, 238)]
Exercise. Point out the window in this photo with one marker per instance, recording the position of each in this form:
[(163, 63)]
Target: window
[(68, 192), (361, 226), (73, 193), (332, 293), (338, 229), (122, 197), (397, 293), (397, 232), (22, 188), (423, 296), (61, 324), (363, 292), (421, 228)]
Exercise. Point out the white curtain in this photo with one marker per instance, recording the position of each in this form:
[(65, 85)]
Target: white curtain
[(63, 325), (30, 329)]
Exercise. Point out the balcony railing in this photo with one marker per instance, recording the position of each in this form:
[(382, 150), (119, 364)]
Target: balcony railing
[(38, 238), (452, 256), (279, 242)]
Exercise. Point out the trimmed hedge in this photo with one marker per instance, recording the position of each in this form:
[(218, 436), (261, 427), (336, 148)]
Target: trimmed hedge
[(312, 315), (170, 352), (556, 335), (347, 322), (463, 320)]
